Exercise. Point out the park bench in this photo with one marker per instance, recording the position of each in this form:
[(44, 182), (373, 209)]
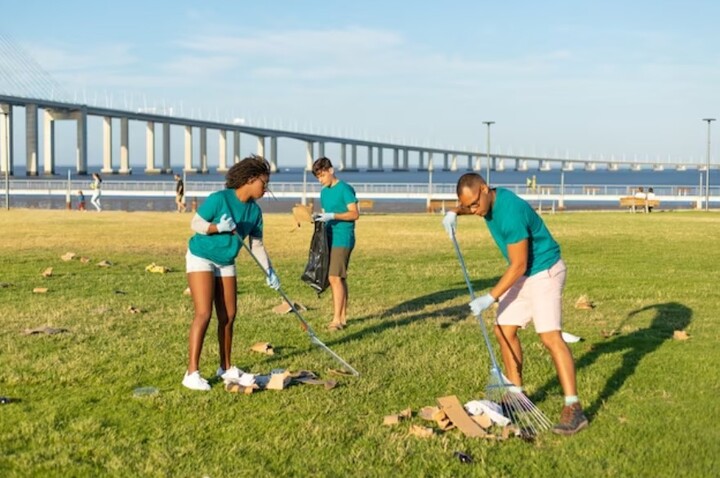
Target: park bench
[(365, 204), (634, 203)]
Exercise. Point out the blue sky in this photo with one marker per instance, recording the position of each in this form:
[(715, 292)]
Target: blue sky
[(601, 78)]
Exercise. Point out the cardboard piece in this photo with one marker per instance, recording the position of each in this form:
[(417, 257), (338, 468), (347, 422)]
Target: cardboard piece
[(483, 420), (134, 310), (421, 432), (391, 420), (427, 413), (284, 308), (302, 214), (407, 413), (47, 272), (263, 348), (584, 303), (68, 256), (457, 414), (680, 335), (85, 260), (104, 263), (40, 290), (279, 381), (187, 291), (234, 387)]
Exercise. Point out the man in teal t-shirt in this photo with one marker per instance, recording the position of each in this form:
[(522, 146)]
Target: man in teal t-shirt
[(340, 211), (530, 289)]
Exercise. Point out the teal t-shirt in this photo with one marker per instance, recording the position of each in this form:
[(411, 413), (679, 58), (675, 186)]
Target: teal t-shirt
[(511, 220), (224, 248), (336, 199)]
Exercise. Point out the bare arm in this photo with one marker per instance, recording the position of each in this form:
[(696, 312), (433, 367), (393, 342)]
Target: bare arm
[(518, 255), (352, 213)]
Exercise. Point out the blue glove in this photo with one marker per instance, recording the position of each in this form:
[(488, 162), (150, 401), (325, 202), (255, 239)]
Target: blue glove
[(478, 305), (226, 224), (272, 280), (450, 223), (325, 216)]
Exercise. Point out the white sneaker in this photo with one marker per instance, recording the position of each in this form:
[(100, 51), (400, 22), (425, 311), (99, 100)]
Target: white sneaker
[(230, 375), (194, 381)]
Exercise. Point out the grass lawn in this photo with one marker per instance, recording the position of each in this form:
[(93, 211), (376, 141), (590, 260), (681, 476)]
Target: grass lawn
[(652, 401)]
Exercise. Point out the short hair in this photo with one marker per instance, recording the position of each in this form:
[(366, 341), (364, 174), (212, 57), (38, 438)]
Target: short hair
[(320, 165), (469, 180), (246, 170)]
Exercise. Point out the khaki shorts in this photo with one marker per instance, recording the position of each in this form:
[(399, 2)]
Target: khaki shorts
[(339, 261), (194, 263), (537, 298)]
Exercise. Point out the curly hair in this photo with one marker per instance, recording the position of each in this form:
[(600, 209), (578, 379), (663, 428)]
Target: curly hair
[(246, 170)]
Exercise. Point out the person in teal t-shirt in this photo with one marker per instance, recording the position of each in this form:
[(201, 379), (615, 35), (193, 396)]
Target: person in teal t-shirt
[(210, 262), (340, 211), (530, 289)]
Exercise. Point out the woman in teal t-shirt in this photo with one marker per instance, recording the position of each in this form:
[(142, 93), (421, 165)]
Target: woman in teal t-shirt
[(210, 262)]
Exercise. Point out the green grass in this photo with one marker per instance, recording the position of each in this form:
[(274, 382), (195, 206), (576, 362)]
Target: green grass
[(652, 400)]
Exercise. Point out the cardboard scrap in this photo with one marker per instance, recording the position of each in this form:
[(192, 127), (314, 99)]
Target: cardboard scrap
[(421, 432), (234, 387), (47, 272), (156, 268), (442, 420), (85, 260), (40, 290), (104, 263), (284, 308), (134, 310), (407, 413), (483, 420), (427, 413), (187, 291), (68, 256), (584, 303), (279, 381), (459, 417), (680, 335), (391, 420), (44, 330), (263, 348), (302, 214)]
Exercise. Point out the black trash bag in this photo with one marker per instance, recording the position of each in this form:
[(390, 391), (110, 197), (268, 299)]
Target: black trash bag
[(318, 265)]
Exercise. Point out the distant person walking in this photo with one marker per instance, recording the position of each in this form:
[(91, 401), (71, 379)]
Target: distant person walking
[(180, 194), (96, 187), (340, 211), (81, 201)]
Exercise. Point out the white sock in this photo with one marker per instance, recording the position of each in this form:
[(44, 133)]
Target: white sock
[(571, 400)]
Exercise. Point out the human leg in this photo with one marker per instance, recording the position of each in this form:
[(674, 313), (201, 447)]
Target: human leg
[(338, 292), (511, 352), (201, 289), (225, 308), (563, 360)]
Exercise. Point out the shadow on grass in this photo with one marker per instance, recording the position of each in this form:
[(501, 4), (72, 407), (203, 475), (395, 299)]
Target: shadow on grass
[(415, 307), (669, 316)]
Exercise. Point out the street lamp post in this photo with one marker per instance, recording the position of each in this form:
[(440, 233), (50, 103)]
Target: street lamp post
[(487, 174), (707, 166)]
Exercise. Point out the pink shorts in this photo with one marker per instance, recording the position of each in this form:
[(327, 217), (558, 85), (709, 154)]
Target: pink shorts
[(537, 298)]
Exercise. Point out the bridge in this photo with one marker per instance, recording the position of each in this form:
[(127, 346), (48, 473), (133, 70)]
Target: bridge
[(378, 155)]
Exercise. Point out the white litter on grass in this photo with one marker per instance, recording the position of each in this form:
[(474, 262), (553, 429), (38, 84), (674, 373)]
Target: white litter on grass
[(489, 408), (570, 338), (246, 380)]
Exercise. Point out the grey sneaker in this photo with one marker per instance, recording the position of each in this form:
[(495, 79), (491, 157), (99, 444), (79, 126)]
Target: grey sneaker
[(572, 420)]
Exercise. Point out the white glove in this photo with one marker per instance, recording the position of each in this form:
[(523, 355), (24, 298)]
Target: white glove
[(450, 223), (481, 303), (325, 216), (272, 280), (226, 224)]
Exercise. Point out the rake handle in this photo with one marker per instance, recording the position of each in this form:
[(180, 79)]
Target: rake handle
[(472, 297)]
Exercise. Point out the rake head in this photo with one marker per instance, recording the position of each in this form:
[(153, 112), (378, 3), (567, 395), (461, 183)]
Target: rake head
[(515, 405)]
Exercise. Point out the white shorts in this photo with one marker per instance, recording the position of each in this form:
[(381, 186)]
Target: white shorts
[(537, 298), (194, 263)]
